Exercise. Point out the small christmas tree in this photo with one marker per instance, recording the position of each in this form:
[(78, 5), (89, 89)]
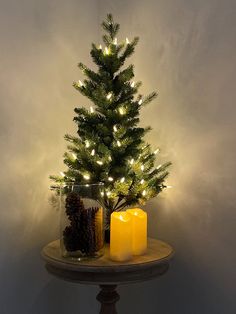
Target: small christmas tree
[(109, 146)]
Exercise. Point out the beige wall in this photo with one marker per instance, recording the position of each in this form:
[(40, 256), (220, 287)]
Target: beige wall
[(41, 44), (187, 53)]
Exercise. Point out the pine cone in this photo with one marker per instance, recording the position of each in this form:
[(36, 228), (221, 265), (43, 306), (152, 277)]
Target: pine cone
[(87, 231), (73, 204), (71, 239)]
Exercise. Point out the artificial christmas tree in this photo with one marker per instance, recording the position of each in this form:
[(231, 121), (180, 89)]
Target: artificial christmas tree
[(110, 146)]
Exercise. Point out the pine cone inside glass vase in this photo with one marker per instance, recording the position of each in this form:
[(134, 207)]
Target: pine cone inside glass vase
[(74, 205), (71, 239), (71, 235), (88, 231)]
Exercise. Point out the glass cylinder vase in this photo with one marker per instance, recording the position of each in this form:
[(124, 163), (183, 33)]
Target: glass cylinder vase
[(82, 221)]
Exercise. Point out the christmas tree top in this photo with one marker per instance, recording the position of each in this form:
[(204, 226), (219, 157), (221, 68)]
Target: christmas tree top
[(110, 146)]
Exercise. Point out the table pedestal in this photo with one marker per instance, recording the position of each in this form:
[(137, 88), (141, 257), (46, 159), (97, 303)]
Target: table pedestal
[(108, 297)]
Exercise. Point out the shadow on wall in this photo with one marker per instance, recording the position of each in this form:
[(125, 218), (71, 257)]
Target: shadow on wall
[(27, 288)]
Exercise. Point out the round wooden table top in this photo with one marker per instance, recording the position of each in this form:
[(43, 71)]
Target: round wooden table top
[(105, 271)]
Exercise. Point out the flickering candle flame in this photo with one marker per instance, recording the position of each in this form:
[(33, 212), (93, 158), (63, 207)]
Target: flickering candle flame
[(93, 152), (122, 180), (91, 109), (110, 179)]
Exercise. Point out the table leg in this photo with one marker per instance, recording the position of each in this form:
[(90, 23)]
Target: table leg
[(108, 297)]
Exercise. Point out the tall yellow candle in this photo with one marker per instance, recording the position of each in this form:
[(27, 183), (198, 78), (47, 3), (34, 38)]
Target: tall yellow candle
[(139, 230), (121, 237)]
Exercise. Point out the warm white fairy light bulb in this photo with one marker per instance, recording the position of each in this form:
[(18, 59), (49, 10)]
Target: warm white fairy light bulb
[(115, 41), (106, 51), (142, 167), (169, 186), (127, 40), (110, 179), (110, 158), (158, 167), (86, 176), (91, 109), (132, 84), (121, 111), (157, 151), (118, 143), (62, 174), (80, 83), (108, 193), (87, 144), (102, 193), (122, 180), (142, 181), (132, 161), (74, 156), (115, 128), (100, 47), (140, 101), (144, 192), (93, 152), (109, 96), (99, 162)]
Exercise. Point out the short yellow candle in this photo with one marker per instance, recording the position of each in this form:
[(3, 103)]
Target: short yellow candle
[(121, 237), (139, 230)]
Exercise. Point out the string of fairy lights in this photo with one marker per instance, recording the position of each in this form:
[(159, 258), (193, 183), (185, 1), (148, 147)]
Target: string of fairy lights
[(87, 176), (122, 111)]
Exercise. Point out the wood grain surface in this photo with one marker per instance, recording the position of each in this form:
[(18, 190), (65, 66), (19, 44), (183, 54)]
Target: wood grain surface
[(105, 271)]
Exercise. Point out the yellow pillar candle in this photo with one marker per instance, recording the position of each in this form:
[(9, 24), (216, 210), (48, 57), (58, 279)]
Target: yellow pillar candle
[(139, 230), (121, 237)]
